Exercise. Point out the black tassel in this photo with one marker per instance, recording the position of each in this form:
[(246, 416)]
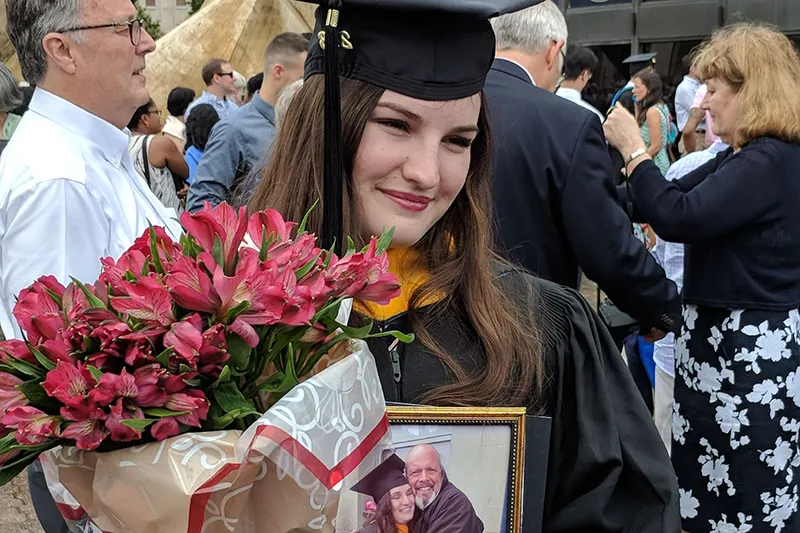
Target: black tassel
[(332, 188)]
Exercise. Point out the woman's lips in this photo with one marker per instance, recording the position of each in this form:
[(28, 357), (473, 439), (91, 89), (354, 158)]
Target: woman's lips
[(411, 202)]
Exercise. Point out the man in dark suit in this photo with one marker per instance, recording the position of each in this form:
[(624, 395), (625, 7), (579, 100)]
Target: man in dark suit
[(557, 207)]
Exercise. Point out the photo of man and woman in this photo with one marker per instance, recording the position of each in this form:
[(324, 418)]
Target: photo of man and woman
[(436, 476)]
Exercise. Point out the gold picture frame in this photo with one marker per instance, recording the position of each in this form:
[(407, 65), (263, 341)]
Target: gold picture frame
[(513, 417)]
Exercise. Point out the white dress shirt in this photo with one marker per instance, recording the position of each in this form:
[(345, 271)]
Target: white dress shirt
[(69, 195), (684, 95), (670, 254), (573, 95)]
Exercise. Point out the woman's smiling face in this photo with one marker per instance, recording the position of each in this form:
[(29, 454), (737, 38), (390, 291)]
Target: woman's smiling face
[(411, 163)]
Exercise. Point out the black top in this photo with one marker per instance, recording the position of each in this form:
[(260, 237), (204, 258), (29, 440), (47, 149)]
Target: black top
[(607, 468), (740, 217), (555, 200)]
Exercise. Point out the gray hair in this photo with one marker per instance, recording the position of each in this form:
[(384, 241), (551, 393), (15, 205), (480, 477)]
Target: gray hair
[(284, 99), (10, 93), (28, 23), (532, 29)]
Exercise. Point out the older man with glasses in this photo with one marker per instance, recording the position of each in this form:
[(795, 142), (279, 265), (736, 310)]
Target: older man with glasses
[(220, 80), (69, 193)]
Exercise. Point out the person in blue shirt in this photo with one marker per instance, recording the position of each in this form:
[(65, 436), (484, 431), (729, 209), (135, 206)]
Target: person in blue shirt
[(198, 129), (241, 141)]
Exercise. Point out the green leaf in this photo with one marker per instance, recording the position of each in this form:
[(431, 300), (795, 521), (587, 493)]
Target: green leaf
[(163, 357), (159, 412), (329, 256), (385, 240), (43, 360), (305, 269), (302, 227), (192, 382), (262, 253), (7, 442), (35, 394), (94, 301), (351, 246), (230, 399), (239, 351), (137, 424), (406, 338), (130, 277), (25, 367), (216, 252), (159, 266), (189, 246), (231, 315), (56, 298), (185, 369), (12, 470), (95, 372), (224, 377)]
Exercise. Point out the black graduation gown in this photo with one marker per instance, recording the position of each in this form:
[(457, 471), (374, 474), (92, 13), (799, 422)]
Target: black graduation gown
[(607, 468)]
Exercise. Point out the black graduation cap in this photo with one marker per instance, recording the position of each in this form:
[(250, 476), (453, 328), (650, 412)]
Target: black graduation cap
[(386, 476), (426, 49), (639, 62)]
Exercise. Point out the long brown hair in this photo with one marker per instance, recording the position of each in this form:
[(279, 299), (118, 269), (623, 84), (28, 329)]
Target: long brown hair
[(384, 516), (655, 93), (513, 373)]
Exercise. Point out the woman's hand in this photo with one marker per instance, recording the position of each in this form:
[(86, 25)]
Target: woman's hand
[(622, 131)]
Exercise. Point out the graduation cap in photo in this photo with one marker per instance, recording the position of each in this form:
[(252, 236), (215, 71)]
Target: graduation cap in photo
[(386, 476), (425, 49), (638, 62)]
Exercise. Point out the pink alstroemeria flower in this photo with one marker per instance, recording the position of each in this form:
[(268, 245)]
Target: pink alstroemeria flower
[(192, 400), (88, 434), (10, 394), (191, 286), (16, 348), (113, 386), (70, 384), (165, 428), (167, 248), (364, 276), (269, 223), (114, 272), (147, 379), (223, 222), (37, 313), (33, 425), (123, 411), (148, 300)]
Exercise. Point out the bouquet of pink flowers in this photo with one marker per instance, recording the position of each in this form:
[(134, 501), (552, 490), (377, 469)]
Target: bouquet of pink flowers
[(197, 335)]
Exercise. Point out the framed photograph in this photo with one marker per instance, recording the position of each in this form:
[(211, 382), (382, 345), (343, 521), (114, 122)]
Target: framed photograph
[(460, 465)]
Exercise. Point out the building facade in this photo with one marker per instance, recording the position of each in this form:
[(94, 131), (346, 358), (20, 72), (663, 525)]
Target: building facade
[(615, 29), (169, 13)]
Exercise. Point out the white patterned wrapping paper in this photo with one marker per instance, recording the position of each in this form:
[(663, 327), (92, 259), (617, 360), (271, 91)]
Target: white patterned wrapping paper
[(284, 473)]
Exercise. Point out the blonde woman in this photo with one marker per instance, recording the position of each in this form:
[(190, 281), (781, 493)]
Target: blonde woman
[(737, 385)]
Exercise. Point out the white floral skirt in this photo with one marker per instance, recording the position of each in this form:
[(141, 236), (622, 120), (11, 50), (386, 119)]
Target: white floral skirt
[(736, 420)]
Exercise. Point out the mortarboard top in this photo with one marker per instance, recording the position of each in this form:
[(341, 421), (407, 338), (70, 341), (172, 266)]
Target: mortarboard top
[(383, 478), (638, 62), (425, 49)]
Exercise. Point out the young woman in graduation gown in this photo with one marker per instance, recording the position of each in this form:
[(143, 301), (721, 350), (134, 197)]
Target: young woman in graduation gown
[(416, 156)]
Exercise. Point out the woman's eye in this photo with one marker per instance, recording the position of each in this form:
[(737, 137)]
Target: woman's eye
[(396, 124), (461, 142)]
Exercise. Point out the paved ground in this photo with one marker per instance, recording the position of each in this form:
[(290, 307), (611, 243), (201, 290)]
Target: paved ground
[(16, 512)]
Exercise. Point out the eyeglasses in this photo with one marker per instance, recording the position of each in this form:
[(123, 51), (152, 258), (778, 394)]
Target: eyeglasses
[(156, 111), (225, 74), (134, 29)]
